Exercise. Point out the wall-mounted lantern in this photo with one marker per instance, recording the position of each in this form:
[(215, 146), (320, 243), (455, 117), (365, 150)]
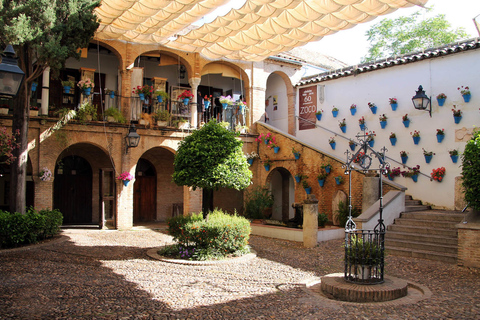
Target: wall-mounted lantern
[(421, 101), (133, 138), (11, 76)]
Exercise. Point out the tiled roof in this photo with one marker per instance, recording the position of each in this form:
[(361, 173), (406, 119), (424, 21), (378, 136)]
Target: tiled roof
[(449, 49)]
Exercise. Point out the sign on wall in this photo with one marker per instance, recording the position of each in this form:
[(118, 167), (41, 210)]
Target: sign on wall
[(308, 107)]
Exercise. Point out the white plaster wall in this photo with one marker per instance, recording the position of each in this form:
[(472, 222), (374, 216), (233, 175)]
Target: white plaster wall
[(437, 75), (276, 87)]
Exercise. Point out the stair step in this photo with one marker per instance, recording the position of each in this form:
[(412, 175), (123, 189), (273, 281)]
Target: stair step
[(422, 246), (453, 216), (416, 208), (408, 252), (426, 223), (412, 202), (423, 238), (422, 230)]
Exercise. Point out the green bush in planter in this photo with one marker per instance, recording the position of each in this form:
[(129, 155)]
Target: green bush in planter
[(343, 213), (116, 114), (258, 199), (322, 219), (471, 171)]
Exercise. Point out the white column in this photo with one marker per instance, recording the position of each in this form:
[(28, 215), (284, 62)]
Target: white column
[(45, 90), (194, 82)]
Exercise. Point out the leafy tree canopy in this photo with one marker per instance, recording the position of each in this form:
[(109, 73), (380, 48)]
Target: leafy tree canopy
[(47, 31), (471, 171), (409, 34), (211, 158)]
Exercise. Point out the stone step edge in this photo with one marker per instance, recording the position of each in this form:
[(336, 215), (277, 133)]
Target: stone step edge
[(435, 236), (426, 252), (448, 246)]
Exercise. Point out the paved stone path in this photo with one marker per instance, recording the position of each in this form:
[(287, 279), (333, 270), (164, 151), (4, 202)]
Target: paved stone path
[(107, 275)]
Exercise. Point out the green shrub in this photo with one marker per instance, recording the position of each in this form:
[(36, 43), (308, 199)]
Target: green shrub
[(215, 237), (343, 213), (17, 229), (322, 219), (471, 171), (258, 199)]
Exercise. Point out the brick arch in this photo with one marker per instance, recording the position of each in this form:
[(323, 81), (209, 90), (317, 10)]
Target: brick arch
[(185, 58), (244, 76), (291, 95), (281, 184), (113, 46)]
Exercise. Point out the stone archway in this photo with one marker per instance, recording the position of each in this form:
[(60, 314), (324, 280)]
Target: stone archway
[(283, 190), (339, 196)]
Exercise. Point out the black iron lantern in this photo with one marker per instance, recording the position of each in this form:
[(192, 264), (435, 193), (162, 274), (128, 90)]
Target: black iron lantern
[(11, 76), (421, 101), (133, 138)]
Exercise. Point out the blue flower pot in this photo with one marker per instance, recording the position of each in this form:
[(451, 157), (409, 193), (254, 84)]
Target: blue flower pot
[(308, 190), (404, 159), (389, 176), (296, 155), (457, 119), (319, 116), (353, 111), (141, 96), (125, 182), (428, 159), (333, 144), (275, 149), (406, 123), (344, 129), (321, 183), (87, 91), (466, 97), (416, 140), (415, 177), (298, 179), (383, 124), (34, 86), (267, 167), (186, 101), (337, 180), (159, 99), (440, 137), (374, 109), (371, 143), (328, 169), (224, 105), (394, 106), (352, 147), (250, 161), (393, 141), (454, 158), (362, 126), (207, 104), (335, 113), (67, 89), (441, 101), (112, 94)]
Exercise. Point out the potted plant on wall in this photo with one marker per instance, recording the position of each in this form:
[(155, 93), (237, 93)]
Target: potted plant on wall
[(465, 92), (393, 103), (162, 117), (457, 114), (441, 99), (428, 155), (440, 135), (404, 156), (406, 120), (352, 144), (372, 107), (185, 96), (318, 114), (68, 85), (338, 179), (437, 174), (321, 177), (412, 173), (383, 121), (393, 138), (267, 163), (306, 186), (161, 95), (296, 153), (353, 109), (332, 142), (335, 111), (251, 157), (126, 177), (86, 86), (415, 136), (453, 155), (343, 125), (361, 123)]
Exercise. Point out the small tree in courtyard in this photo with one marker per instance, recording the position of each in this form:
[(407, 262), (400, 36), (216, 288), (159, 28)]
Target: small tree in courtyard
[(471, 171), (211, 158)]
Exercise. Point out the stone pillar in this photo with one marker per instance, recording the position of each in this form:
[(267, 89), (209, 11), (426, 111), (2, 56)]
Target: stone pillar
[(136, 105), (371, 192), (258, 104), (45, 90), (310, 221), (124, 218), (126, 93), (194, 82), (292, 121)]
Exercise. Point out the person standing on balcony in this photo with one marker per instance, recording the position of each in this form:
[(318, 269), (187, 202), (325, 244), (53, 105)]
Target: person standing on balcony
[(200, 107)]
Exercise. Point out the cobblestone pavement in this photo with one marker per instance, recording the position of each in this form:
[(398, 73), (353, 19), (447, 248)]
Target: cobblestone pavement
[(107, 275)]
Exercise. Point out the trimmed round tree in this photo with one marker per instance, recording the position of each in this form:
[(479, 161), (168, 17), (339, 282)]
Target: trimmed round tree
[(211, 158), (471, 172)]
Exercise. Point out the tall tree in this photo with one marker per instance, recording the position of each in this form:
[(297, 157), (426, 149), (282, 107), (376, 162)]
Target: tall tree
[(211, 158), (408, 34), (44, 33)]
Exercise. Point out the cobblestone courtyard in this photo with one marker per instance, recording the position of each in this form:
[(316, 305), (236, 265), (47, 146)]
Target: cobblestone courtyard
[(92, 274)]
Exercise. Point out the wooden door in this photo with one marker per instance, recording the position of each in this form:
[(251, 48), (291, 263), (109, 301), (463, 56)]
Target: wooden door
[(145, 192), (73, 190)]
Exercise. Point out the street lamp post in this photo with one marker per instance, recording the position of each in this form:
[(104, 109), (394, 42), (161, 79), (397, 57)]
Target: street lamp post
[(11, 76)]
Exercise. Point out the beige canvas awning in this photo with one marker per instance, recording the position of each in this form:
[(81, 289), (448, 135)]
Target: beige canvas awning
[(259, 29)]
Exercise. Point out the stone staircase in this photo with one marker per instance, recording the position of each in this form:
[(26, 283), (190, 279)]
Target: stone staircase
[(424, 233)]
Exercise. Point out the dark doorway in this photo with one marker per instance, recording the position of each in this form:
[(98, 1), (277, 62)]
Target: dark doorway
[(73, 190), (145, 191)]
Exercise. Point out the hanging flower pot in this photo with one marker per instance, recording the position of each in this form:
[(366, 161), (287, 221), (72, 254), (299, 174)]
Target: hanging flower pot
[(159, 99), (328, 168), (207, 104), (333, 144), (406, 123), (454, 158), (353, 111), (415, 177), (394, 106), (67, 89), (352, 146), (296, 155), (34, 86), (390, 177), (362, 126), (298, 178), (383, 124), (428, 158), (404, 159), (319, 116), (186, 101), (275, 149), (466, 97), (335, 113), (440, 137), (344, 129), (125, 182), (250, 161), (87, 91), (141, 96), (457, 119), (416, 140), (267, 167), (338, 180), (224, 105), (393, 141), (441, 101), (321, 182), (374, 109), (371, 143), (308, 190)]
